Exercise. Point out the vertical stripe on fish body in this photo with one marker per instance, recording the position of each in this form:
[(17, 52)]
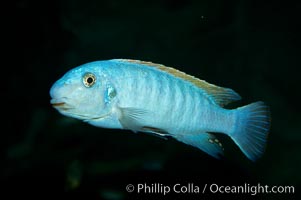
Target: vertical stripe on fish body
[(147, 97)]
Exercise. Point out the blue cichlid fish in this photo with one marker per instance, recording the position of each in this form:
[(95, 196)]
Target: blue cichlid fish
[(147, 97)]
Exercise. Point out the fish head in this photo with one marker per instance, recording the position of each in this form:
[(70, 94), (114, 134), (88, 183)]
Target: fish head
[(82, 93)]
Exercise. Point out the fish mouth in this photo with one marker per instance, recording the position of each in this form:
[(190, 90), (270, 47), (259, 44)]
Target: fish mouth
[(59, 104)]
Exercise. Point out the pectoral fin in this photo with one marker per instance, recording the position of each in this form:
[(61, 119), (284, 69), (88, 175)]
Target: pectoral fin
[(156, 132), (133, 118), (204, 141)]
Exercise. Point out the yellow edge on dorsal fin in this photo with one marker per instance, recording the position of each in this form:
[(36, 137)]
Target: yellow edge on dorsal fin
[(221, 96)]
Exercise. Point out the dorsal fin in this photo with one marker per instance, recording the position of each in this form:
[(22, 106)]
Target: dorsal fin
[(221, 96)]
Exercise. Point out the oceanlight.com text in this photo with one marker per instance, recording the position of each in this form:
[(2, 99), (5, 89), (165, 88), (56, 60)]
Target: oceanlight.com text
[(251, 189)]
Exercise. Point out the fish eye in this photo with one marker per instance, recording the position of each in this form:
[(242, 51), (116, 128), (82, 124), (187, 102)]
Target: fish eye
[(89, 79)]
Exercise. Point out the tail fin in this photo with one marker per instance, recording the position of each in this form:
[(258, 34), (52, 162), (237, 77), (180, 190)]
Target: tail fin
[(252, 126)]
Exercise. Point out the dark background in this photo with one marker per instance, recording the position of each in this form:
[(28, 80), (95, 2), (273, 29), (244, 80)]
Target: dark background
[(250, 46)]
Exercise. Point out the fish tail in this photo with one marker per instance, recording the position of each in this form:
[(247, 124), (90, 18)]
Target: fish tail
[(251, 129)]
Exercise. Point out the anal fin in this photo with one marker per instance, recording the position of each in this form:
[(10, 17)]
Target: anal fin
[(205, 142)]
